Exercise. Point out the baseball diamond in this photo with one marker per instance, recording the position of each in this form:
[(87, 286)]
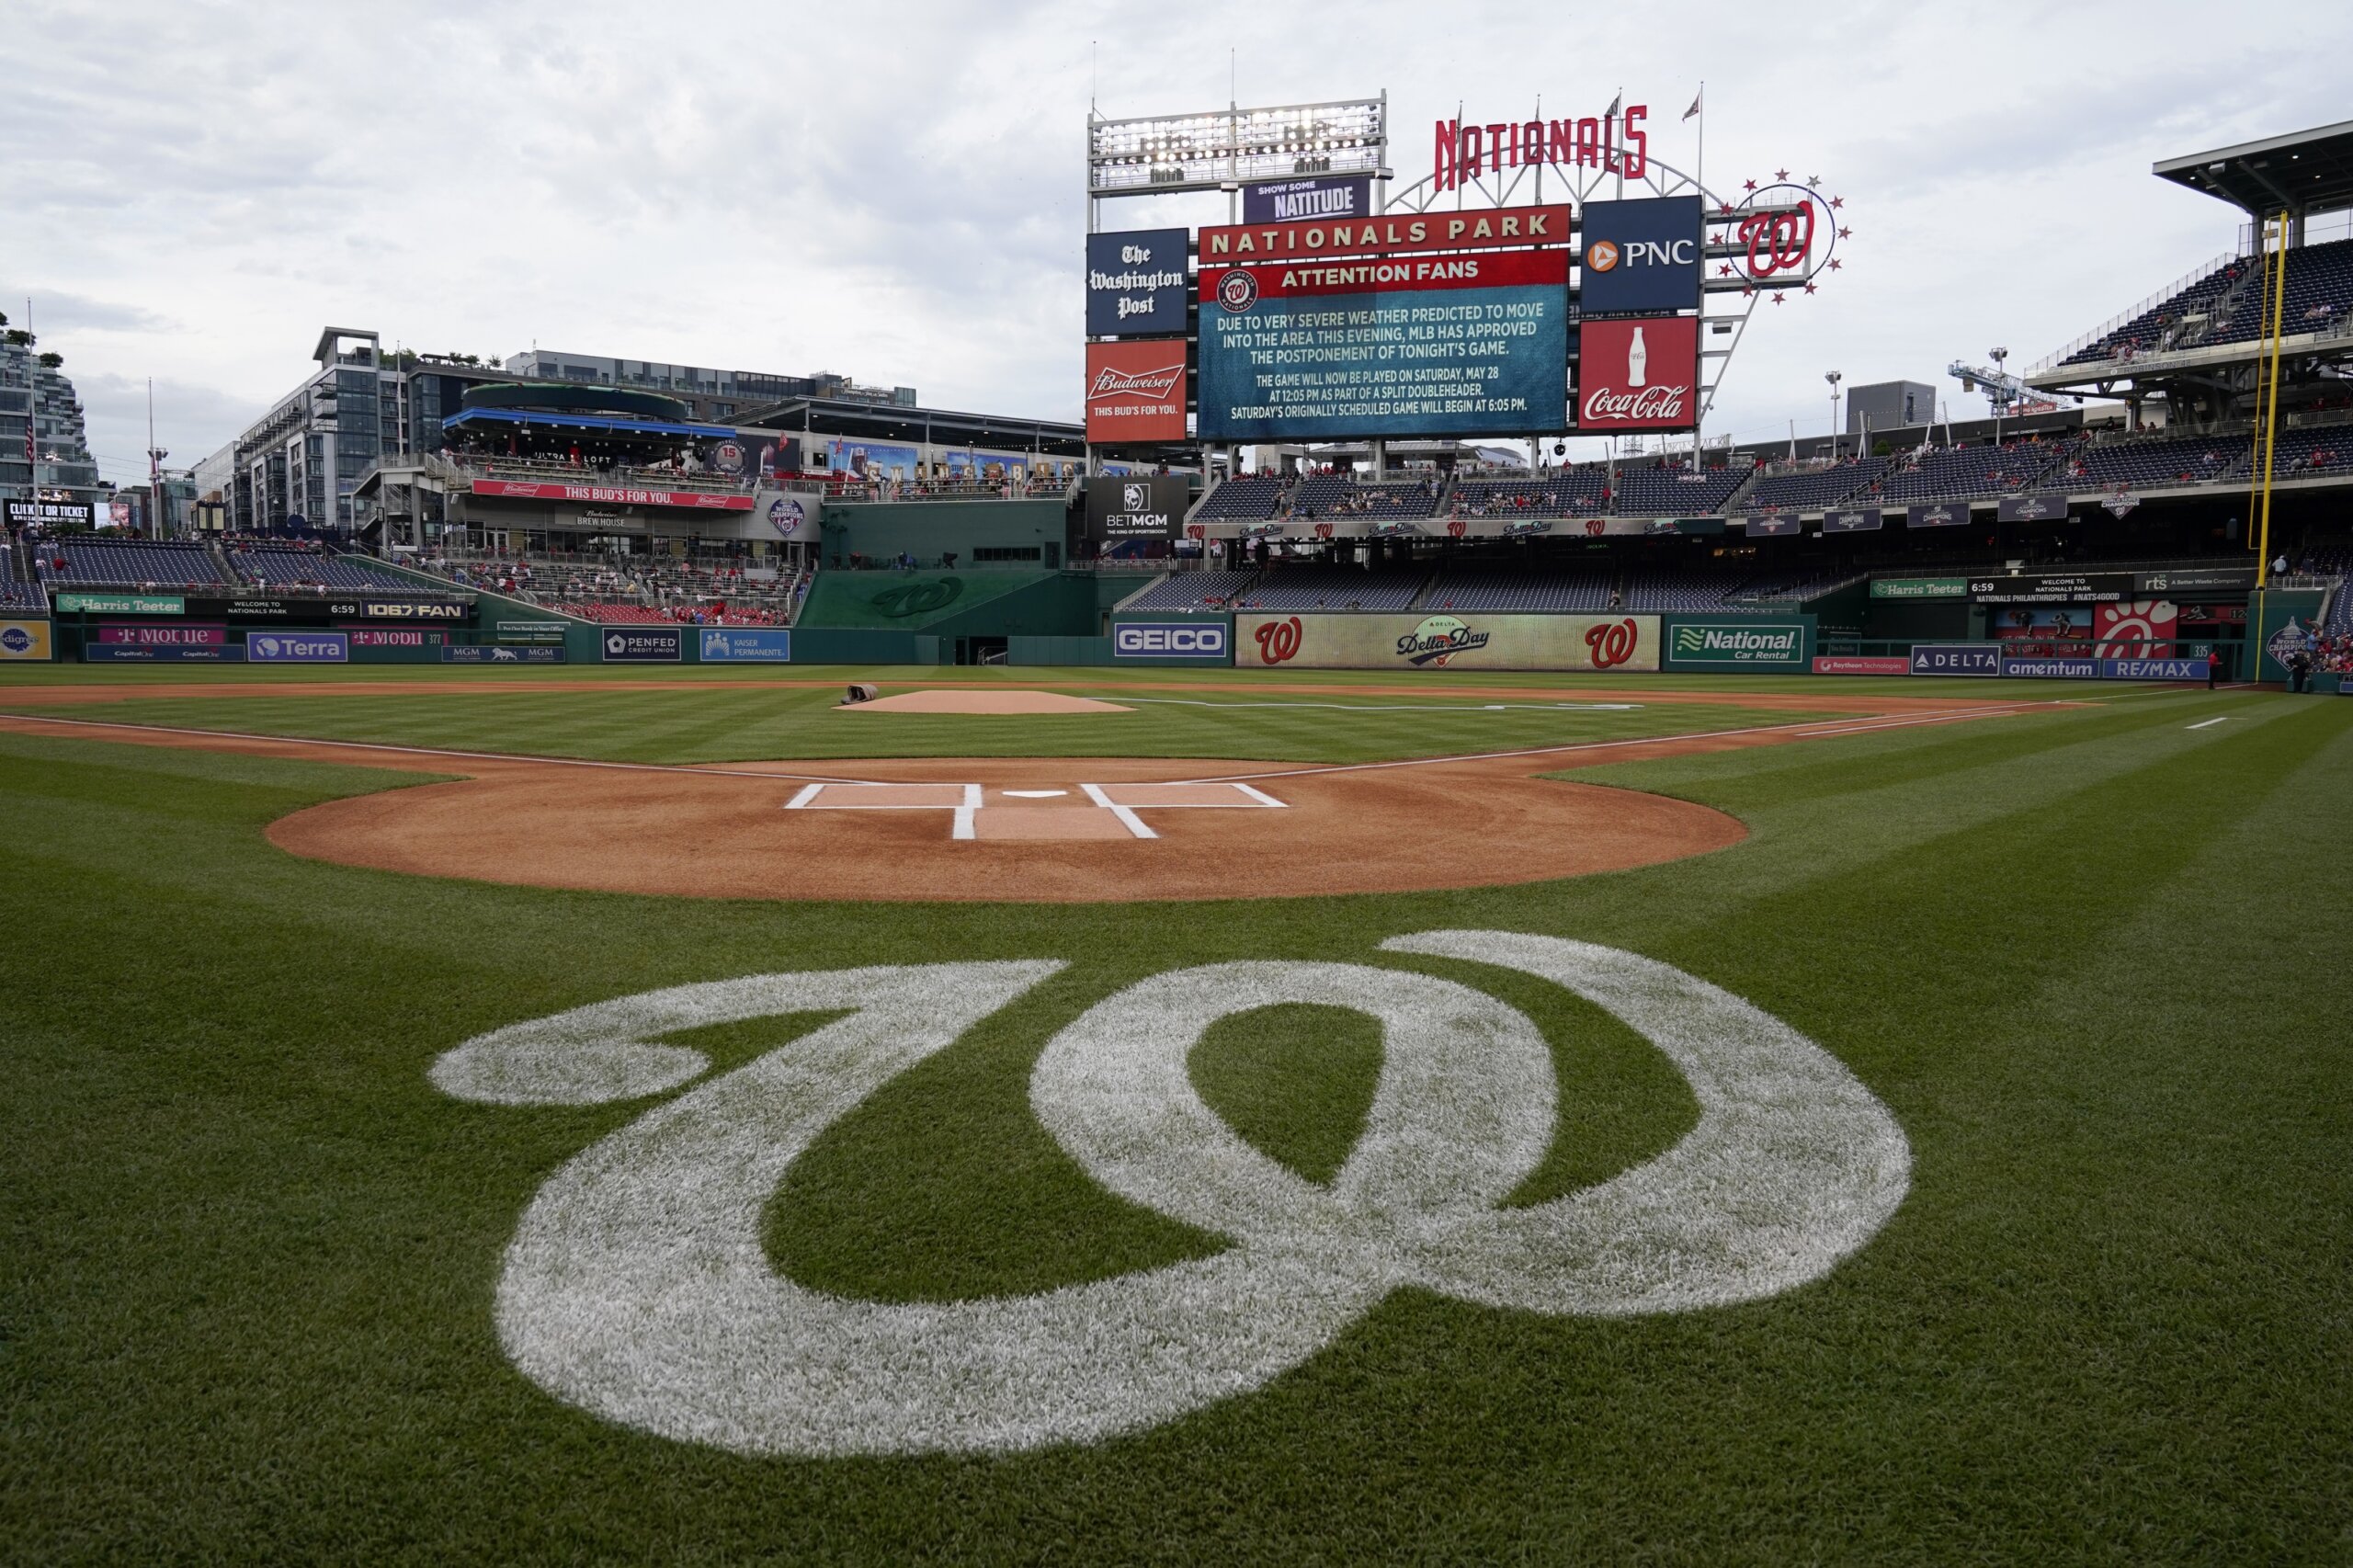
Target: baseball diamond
[(1412, 870)]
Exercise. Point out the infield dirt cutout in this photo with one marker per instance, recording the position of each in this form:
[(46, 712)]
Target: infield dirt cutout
[(1038, 829)]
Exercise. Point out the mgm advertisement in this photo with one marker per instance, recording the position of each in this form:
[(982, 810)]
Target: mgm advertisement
[(1471, 642)]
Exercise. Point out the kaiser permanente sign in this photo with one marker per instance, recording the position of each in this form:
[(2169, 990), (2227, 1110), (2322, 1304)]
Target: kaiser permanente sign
[(1735, 645)]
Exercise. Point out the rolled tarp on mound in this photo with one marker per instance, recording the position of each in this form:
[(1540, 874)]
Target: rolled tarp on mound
[(995, 702)]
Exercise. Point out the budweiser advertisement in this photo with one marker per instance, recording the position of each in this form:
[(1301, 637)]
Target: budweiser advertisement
[(1638, 375), (613, 495), (1135, 392)]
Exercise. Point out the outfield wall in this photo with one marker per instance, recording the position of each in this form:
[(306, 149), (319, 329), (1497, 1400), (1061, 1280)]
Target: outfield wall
[(1473, 641)]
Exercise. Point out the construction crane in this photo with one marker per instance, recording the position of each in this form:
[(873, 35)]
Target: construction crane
[(2003, 391)]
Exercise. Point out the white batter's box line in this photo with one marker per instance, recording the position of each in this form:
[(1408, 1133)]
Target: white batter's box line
[(965, 801)]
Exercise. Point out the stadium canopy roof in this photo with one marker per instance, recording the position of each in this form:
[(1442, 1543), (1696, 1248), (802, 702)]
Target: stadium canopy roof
[(2306, 171), (483, 418), (889, 422)]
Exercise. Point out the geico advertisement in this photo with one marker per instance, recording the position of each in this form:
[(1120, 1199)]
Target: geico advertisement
[(1469, 641)]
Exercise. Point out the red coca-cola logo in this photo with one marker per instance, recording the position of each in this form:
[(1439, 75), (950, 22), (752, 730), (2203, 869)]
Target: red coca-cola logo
[(1612, 642), (1659, 403), (1279, 641)]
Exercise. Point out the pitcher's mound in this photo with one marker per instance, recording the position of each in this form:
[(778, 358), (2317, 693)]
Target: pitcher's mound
[(984, 702)]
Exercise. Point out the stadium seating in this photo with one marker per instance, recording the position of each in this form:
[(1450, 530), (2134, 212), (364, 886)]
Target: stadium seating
[(1954, 473), (2155, 328), (1580, 492), (18, 590), (126, 564), (1250, 498), (2191, 459), (1333, 587), (2327, 451), (1192, 590), (1675, 490), (1815, 489), (278, 568), (1330, 496), (2320, 294), (1498, 588), (1683, 588)]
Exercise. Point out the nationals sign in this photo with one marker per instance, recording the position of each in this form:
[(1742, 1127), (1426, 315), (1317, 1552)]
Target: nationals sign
[(1500, 228), (1135, 392), (612, 495), (1642, 374)]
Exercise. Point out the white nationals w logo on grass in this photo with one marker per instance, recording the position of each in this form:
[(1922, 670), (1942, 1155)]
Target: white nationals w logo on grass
[(636, 1286)]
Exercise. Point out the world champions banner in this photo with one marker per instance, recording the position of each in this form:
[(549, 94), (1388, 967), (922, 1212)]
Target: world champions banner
[(1402, 345)]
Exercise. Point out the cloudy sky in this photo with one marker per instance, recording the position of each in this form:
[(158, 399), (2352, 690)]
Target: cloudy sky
[(895, 192)]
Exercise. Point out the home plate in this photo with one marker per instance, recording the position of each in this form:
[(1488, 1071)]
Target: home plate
[(977, 811)]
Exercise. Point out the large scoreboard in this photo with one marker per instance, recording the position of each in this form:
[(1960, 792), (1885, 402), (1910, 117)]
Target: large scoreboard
[(1438, 323)]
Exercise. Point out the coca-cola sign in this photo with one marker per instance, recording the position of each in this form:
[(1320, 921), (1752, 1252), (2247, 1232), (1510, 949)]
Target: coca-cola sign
[(1638, 374)]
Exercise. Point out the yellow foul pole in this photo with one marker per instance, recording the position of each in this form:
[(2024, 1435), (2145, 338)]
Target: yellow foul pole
[(2271, 405)]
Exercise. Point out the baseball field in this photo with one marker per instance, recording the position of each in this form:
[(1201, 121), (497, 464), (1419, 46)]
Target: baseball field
[(590, 1115)]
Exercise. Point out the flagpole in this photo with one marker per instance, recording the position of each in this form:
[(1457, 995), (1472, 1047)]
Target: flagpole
[(1700, 358)]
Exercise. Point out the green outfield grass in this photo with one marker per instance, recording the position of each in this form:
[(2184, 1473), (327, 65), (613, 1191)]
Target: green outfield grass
[(728, 716), (2093, 961)]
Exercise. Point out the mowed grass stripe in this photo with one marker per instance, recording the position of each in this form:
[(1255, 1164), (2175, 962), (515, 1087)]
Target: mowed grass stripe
[(689, 727)]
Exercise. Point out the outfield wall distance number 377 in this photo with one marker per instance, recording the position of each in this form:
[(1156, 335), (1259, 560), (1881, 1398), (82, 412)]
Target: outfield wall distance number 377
[(636, 1286)]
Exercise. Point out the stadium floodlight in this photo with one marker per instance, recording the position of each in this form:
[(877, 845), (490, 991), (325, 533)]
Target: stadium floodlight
[(1834, 377), (1222, 148)]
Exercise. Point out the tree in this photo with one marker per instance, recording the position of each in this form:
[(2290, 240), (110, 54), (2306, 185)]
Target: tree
[(53, 361), (22, 338)]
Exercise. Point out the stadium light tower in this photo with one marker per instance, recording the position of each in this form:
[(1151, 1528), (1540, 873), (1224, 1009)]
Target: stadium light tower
[(1999, 356), (1834, 377)]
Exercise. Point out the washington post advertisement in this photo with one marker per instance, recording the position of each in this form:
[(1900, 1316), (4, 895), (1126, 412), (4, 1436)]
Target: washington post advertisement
[(1406, 346)]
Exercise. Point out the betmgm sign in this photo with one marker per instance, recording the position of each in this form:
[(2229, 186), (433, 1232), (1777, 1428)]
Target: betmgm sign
[(1124, 507)]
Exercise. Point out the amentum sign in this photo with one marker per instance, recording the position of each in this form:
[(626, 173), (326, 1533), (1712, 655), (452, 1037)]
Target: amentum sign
[(1638, 375), (1170, 640), (1639, 256), (1136, 283)]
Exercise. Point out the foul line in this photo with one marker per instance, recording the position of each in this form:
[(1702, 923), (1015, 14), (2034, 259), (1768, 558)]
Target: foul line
[(1823, 731), (1412, 708), (2208, 724), (437, 751)]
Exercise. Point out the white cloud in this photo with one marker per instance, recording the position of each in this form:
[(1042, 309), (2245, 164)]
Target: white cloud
[(899, 197)]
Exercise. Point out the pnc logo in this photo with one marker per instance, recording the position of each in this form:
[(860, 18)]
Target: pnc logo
[(1601, 256)]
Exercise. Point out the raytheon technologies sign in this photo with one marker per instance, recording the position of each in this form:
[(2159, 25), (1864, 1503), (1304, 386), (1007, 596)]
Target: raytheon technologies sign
[(1639, 255)]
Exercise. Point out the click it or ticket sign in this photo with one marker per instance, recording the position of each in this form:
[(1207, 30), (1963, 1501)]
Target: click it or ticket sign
[(1411, 345)]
